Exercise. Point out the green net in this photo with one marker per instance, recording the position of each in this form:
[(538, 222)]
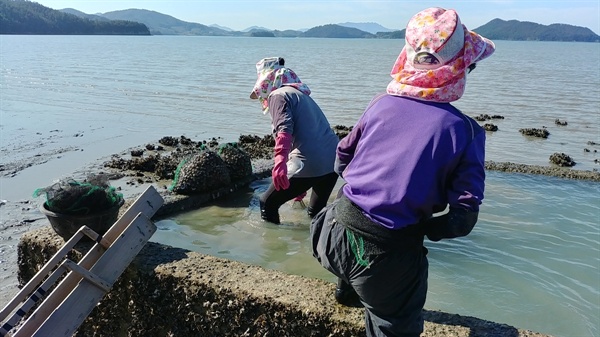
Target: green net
[(177, 174), (90, 196)]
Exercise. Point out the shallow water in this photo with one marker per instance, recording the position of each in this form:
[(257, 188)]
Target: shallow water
[(97, 95), (528, 262)]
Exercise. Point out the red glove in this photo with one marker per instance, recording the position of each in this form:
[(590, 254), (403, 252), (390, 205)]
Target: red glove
[(283, 143)]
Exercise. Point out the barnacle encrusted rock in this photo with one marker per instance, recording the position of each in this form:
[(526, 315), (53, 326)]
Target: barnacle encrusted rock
[(490, 127), (540, 133), (237, 160), (562, 159), (203, 172)]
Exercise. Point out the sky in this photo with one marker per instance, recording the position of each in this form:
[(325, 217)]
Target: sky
[(303, 14)]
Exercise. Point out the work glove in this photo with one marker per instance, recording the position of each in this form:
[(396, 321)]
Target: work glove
[(298, 202), (283, 143), (458, 222), (300, 196)]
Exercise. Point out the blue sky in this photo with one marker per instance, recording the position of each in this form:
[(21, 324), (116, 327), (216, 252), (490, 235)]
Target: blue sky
[(300, 14)]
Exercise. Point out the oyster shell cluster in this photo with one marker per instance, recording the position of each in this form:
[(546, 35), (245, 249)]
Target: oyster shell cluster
[(205, 171)]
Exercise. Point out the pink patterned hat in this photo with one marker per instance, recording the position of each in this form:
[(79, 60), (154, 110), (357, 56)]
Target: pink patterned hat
[(433, 64), (272, 75)]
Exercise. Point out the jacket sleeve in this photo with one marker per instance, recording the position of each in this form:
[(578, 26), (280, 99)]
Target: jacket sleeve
[(466, 186), (281, 114), (464, 196), (346, 147)]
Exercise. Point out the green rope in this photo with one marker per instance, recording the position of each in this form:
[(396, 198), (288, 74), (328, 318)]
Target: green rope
[(358, 248), (177, 173)]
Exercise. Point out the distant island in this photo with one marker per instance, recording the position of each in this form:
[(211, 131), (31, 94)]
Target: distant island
[(28, 17)]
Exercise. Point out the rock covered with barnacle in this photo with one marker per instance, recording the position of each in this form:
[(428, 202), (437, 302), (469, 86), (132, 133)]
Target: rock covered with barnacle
[(237, 160), (562, 159), (202, 172)]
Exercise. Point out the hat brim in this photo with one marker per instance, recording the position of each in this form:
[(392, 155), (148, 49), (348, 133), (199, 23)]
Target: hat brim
[(482, 47), (490, 47)]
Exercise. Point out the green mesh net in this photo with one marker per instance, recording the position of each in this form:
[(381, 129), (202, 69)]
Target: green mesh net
[(177, 174), (69, 196)]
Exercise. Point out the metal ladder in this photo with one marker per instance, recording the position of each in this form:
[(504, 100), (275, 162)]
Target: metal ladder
[(64, 308)]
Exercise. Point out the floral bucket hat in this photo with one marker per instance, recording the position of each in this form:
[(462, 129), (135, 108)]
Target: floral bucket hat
[(272, 75), (438, 51)]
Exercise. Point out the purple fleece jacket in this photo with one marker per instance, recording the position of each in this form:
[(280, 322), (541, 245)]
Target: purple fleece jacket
[(407, 159)]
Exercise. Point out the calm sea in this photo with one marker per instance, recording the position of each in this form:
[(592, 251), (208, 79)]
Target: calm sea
[(533, 260)]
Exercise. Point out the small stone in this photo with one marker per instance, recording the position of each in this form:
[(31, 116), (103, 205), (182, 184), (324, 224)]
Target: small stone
[(490, 127), (562, 160), (137, 153), (560, 123), (540, 133)]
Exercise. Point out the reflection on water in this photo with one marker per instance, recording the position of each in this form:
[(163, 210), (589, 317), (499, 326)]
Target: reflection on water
[(532, 257)]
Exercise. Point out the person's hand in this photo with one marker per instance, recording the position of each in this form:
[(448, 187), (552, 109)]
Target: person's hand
[(279, 174), (458, 222)]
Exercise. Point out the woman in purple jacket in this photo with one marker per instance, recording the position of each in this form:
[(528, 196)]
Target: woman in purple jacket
[(303, 138), (412, 154)]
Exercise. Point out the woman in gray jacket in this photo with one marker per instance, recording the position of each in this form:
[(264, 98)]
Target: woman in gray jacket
[(302, 135)]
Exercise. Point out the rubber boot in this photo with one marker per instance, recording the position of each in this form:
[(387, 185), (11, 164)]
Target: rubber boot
[(346, 295), (269, 216), (311, 212)]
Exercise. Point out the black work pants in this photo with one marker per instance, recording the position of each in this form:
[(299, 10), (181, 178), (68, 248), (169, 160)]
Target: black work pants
[(322, 186), (392, 287)]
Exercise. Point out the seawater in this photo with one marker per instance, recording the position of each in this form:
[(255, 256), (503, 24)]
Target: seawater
[(533, 260), (529, 262), (137, 89)]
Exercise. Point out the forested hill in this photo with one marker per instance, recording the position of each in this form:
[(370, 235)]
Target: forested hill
[(498, 29), (25, 17), (336, 31), (161, 24), (28, 17)]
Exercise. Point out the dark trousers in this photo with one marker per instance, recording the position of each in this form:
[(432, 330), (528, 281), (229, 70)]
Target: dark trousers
[(322, 186), (392, 287)]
